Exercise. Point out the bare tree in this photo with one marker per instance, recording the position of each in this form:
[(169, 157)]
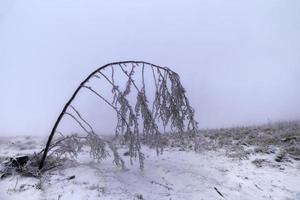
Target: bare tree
[(170, 107)]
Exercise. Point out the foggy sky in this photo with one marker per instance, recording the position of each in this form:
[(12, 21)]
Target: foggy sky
[(238, 60)]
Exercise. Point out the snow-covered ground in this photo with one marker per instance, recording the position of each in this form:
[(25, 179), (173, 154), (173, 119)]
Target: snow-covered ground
[(175, 175)]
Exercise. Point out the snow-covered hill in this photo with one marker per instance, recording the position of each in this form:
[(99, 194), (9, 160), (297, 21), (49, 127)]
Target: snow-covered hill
[(178, 174)]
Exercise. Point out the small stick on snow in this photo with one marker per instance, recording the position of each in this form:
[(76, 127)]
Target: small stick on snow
[(167, 187), (219, 192), (70, 178), (258, 187)]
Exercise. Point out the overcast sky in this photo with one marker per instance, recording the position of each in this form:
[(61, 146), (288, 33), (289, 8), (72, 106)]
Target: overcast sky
[(238, 60)]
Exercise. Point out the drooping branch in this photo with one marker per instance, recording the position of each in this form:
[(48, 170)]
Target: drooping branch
[(170, 105)]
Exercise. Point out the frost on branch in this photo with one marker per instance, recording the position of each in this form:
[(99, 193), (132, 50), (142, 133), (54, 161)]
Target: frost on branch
[(150, 104)]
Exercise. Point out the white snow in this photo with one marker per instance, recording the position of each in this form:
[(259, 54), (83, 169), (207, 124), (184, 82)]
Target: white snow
[(175, 175)]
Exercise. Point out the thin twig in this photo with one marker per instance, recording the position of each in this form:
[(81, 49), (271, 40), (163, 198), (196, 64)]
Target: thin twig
[(219, 192), (77, 112), (165, 186), (80, 124)]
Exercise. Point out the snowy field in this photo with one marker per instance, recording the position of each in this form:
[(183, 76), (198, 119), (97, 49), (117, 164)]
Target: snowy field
[(241, 163)]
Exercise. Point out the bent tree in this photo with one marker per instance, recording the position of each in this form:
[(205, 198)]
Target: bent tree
[(139, 120)]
